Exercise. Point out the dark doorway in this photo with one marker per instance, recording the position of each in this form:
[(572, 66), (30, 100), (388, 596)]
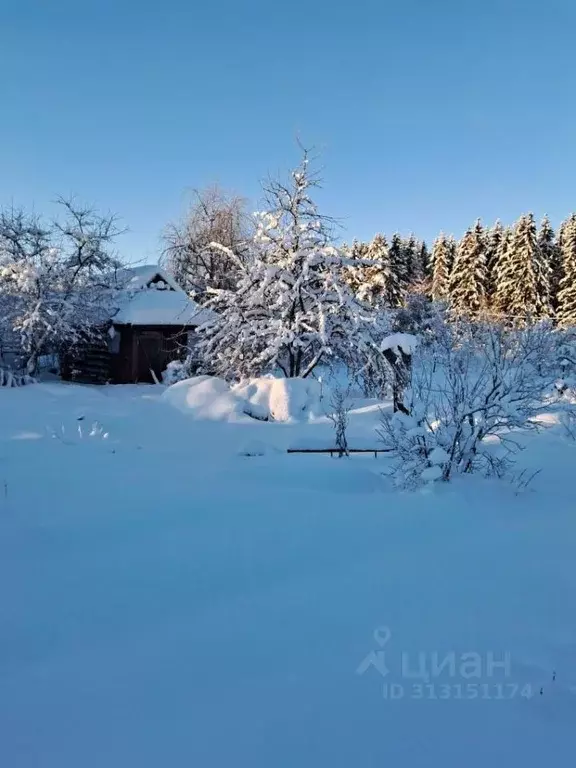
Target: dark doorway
[(152, 355)]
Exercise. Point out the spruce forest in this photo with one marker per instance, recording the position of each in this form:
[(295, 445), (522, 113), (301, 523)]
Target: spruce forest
[(517, 274)]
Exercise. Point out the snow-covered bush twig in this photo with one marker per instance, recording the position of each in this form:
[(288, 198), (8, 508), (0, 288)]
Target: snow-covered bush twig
[(340, 404), (471, 390)]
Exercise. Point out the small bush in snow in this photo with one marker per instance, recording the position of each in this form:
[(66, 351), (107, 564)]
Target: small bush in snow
[(471, 388), (340, 403), (419, 315)]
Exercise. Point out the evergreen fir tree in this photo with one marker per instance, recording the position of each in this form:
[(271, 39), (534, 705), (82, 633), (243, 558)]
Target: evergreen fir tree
[(566, 312), (398, 263), (503, 275), (493, 240), (561, 231), (552, 256), (452, 248), (353, 273), (430, 263), (560, 240), (441, 263), (414, 268), (467, 285), (393, 290), (359, 249), (424, 261), (375, 278), (380, 284), (528, 273)]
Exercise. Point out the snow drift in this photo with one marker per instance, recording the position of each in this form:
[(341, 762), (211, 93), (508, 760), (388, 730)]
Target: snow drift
[(282, 399), (265, 399), (205, 397)]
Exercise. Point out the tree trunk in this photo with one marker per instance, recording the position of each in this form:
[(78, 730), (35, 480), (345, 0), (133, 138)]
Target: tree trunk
[(401, 365)]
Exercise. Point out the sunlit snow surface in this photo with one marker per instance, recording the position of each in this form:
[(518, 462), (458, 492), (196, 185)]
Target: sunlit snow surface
[(167, 600)]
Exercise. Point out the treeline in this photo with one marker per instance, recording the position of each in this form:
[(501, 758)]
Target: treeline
[(518, 273)]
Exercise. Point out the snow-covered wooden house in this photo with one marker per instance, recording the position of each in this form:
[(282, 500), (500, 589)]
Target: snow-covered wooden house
[(150, 323)]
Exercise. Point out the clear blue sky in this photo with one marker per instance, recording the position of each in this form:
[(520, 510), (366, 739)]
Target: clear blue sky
[(428, 113)]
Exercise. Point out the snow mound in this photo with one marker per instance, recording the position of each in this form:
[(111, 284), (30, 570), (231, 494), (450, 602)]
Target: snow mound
[(281, 399), (205, 397), (265, 399)]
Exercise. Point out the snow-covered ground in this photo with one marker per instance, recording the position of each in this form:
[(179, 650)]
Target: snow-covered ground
[(167, 600)]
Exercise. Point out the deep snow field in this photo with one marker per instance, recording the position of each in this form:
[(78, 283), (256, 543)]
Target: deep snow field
[(167, 600)]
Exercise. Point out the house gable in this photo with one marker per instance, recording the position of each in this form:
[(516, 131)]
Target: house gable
[(144, 277), (151, 297)]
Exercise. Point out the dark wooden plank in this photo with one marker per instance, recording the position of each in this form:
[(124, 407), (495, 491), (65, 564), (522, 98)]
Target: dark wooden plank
[(337, 450)]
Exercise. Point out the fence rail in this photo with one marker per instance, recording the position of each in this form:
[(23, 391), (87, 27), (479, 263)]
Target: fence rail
[(337, 451)]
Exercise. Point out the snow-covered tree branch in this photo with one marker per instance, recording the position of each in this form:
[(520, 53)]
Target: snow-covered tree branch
[(215, 217)]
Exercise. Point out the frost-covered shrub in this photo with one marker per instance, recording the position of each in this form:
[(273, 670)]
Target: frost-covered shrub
[(11, 379), (418, 315), (176, 370), (470, 390)]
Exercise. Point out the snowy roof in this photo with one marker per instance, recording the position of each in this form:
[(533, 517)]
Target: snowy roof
[(139, 278), (151, 296), (152, 307)]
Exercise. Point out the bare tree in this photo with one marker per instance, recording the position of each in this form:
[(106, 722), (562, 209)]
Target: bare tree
[(215, 216), (55, 277), (85, 238)]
